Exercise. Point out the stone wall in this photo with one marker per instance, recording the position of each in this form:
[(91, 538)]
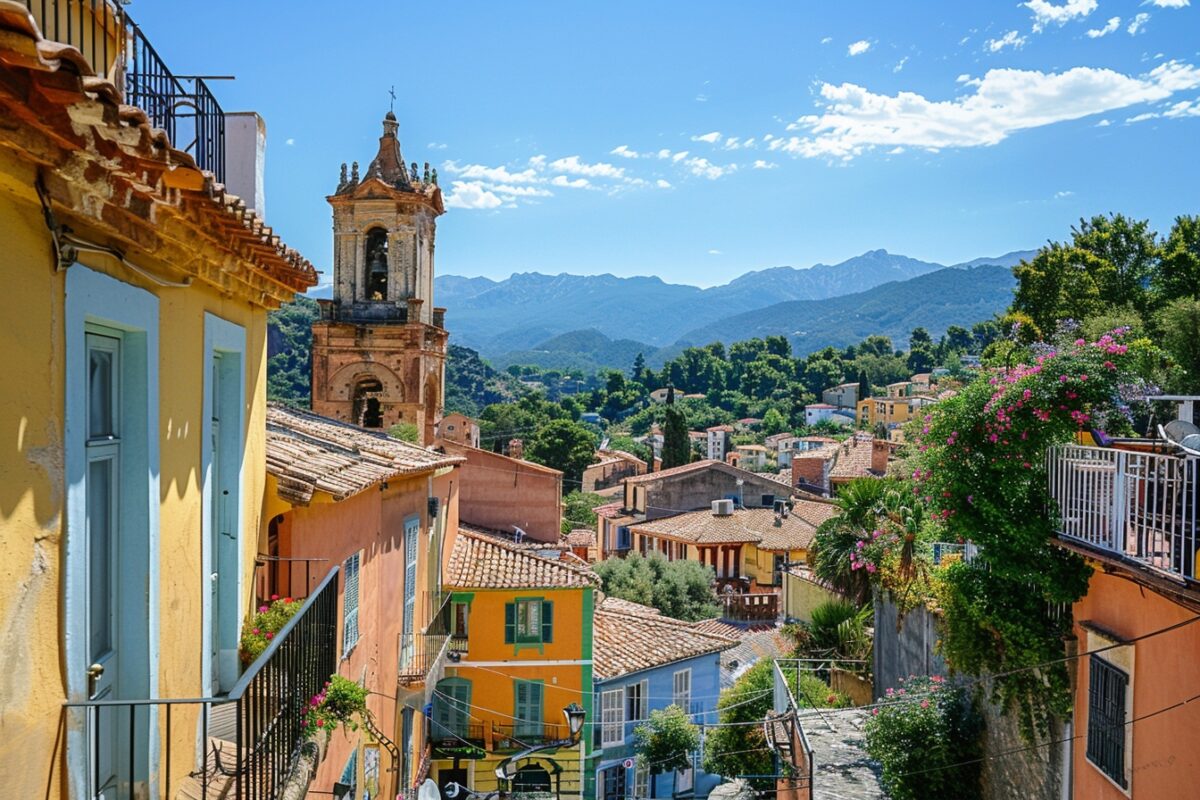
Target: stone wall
[(1028, 774)]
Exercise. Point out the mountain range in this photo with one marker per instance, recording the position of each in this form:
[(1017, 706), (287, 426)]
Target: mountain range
[(590, 321)]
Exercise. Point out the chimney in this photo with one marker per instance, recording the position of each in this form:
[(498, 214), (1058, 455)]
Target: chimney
[(516, 448), (809, 471), (245, 158), (880, 450)]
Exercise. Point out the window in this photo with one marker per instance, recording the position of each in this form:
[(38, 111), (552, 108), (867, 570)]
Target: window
[(376, 262), (103, 489), (636, 697), (529, 620), (349, 604), (623, 537), (612, 718), (683, 780), (460, 619), (641, 781), (1107, 688), (527, 709), (682, 694)]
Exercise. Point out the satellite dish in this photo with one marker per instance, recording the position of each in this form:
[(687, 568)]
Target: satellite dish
[(429, 790)]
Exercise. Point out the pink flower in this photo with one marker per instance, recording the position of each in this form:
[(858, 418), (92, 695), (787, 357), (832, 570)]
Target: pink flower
[(274, 597), (924, 704), (256, 631), (1083, 377), (263, 609), (270, 635), (875, 712), (1080, 342)]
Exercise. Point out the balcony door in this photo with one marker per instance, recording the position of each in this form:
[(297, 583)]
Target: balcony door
[(412, 530)]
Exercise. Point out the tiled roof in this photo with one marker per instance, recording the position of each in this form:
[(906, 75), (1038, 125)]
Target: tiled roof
[(581, 537), (630, 642), (308, 453), (617, 604), (853, 458), (609, 510), (819, 405), (80, 120), (784, 476), (720, 428), (481, 562), (758, 526)]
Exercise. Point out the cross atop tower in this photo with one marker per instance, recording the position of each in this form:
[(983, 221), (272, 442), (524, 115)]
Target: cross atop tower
[(392, 104)]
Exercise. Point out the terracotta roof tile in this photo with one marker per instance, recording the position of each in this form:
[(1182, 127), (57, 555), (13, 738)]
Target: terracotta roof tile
[(81, 114), (853, 458), (309, 453), (750, 525), (482, 562), (581, 537), (631, 642)]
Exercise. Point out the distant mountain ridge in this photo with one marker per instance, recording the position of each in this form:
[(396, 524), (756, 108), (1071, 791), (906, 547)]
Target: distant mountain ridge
[(521, 312)]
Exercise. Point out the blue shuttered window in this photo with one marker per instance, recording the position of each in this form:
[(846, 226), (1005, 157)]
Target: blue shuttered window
[(350, 604)]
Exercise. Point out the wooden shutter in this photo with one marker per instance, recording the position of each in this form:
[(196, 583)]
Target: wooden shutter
[(547, 621), (510, 623)]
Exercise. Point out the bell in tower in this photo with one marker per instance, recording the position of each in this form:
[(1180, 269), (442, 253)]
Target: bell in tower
[(379, 347)]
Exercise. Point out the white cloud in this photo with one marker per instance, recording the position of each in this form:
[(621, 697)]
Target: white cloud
[(664, 153), (499, 174), (855, 120), (1187, 108), (1062, 194), (680, 156), (827, 40), (715, 253), (1104, 123), (1011, 39), (1167, 3), (702, 98), (660, 183), (858, 48), (1109, 27), (472, 194), (507, 192), (760, 164), (573, 166), (963, 78), (711, 137), (704, 168), (624, 152), (1045, 13), (436, 145), (900, 64), (1141, 117), (569, 183), (1138, 23)]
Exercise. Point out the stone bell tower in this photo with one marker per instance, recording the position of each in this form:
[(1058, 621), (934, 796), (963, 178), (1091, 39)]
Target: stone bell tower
[(379, 347)]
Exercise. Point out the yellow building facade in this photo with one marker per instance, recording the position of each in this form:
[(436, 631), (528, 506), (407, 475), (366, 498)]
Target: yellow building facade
[(135, 349), (522, 653)]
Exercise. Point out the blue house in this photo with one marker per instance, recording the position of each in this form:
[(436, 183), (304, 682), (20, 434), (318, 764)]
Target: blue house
[(643, 662)]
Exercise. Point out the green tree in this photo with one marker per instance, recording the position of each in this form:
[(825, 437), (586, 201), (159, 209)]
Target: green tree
[(860, 505), (666, 741), (958, 339), (1179, 270), (773, 422), (679, 589), (638, 373), (1179, 322), (405, 432), (1059, 283), (676, 449), (289, 352), (577, 510), (1128, 247), (738, 746), (566, 446)]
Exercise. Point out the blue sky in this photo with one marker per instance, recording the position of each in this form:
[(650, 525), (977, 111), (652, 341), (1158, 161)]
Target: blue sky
[(612, 137)]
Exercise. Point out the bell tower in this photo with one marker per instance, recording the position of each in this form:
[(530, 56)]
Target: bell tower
[(379, 346)]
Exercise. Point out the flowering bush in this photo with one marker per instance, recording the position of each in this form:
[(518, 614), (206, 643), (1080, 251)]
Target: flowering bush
[(981, 470), (261, 627), (338, 703), (921, 733)]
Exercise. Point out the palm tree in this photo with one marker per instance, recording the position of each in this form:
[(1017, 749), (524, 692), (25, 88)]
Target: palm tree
[(860, 505)]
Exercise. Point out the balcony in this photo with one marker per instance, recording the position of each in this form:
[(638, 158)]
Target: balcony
[(250, 737), (749, 609), (523, 735), (117, 50), (1138, 507), (422, 654)]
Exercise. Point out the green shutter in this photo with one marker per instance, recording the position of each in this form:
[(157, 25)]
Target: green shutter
[(510, 623), (547, 621)]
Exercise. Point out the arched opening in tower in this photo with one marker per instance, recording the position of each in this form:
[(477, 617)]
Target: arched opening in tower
[(376, 259), (367, 410)]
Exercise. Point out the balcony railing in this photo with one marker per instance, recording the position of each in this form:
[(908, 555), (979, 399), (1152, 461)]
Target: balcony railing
[(421, 654), (785, 735), (1140, 507), (249, 737), (116, 48), (523, 735), (749, 608)]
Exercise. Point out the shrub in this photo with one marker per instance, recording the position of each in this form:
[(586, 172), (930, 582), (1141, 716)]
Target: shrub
[(926, 737), (337, 704), (261, 627)]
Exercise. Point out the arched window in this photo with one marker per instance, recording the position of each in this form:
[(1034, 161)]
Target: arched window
[(376, 260), (367, 411)]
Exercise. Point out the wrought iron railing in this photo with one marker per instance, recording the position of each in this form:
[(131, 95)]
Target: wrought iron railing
[(249, 737), (421, 653), (116, 48), (1140, 507), (522, 735)]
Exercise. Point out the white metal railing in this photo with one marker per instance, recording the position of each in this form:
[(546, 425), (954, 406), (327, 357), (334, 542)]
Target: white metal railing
[(1140, 506)]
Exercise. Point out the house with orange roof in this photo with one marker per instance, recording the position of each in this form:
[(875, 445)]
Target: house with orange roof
[(823, 470), (717, 440), (644, 662), (507, 493)]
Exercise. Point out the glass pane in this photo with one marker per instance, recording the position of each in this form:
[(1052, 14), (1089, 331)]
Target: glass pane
[(100, 562), (100, 393)]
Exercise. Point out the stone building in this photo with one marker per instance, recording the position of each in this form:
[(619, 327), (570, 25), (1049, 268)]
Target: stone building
[(379, 347)]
